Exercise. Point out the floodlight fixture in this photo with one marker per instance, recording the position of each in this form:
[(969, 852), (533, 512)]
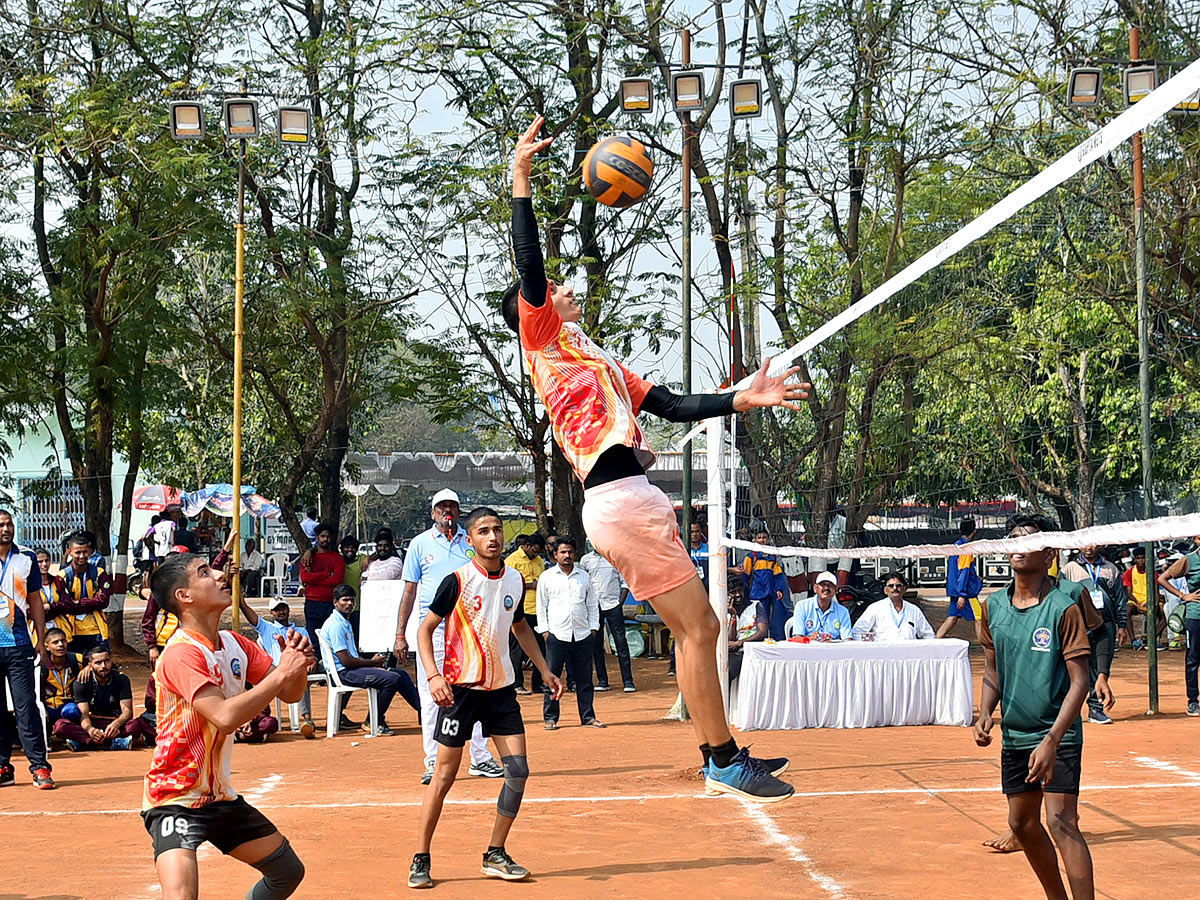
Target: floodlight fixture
[(687, 90), (1189, 105), (1139, 81), (745, 98), (637, 95), (240, 115), (187, 120), (1083, 87), (294, 125)]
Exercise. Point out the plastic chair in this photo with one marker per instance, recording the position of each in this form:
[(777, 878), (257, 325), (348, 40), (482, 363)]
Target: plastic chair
[(789, 627), (337, 689), (293, 709), (275, 573)]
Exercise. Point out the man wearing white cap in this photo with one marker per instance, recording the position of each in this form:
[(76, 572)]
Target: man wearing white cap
[(822, 617), (431, 556)]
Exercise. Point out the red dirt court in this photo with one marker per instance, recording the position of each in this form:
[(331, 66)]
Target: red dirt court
[(880, 813)]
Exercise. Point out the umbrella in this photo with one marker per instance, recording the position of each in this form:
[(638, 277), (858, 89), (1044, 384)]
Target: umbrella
[(155, 497)]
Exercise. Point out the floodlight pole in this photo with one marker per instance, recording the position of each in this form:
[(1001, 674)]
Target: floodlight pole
[(239, 283), (1143, 321), (686, 118)]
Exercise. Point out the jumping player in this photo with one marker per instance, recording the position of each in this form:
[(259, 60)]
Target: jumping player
[(202, 700), (593, 402), (481, 603), (1036, 652)]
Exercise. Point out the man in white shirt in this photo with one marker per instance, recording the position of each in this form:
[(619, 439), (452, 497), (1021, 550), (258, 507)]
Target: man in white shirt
[(252, 570), (894, 618), (610, 594), (568, 614), (164, 536)]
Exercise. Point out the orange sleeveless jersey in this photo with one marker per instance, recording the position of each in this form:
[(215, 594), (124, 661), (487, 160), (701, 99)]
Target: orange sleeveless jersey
[(592, 399)]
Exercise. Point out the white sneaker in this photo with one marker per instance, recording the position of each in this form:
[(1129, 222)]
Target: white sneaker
[(489, 768), (428, 776)]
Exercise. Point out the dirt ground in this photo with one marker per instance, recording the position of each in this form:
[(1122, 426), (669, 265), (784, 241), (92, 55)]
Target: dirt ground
[(879, 813)]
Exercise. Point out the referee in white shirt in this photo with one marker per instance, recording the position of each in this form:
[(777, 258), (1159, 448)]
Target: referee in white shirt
[(568, 614), (610, 591), (894, 618)]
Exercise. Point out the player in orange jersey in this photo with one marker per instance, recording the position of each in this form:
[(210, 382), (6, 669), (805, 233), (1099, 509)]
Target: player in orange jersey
[(593, 402), (202, 700)]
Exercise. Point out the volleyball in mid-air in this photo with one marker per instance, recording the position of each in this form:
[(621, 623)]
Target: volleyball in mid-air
[(617, 171)]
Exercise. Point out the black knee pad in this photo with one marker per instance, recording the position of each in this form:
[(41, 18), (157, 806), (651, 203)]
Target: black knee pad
[(282, 873), (516, 770)]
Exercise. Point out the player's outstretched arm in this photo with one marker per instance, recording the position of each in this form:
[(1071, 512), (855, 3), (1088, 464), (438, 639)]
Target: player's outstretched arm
[(524, 636), (527, 245), (764, 391), (768, 390)]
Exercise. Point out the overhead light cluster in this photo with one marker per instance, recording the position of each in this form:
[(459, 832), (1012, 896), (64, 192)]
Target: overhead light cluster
[(688, 95), (240, 119), (1085, 84)]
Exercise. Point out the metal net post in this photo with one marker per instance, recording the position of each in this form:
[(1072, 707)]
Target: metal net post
[(718, 588)]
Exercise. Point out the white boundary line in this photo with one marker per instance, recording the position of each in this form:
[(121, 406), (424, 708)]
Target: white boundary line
[(635, 798), (774, 835)]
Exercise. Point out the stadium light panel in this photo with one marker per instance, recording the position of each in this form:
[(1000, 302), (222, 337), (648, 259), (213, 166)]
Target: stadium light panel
[(687, 90), (745, 99), (1139, 82), (187, 120), (637, 95), (1083, 87), (293, 125), (1188, 105), (241, 118)]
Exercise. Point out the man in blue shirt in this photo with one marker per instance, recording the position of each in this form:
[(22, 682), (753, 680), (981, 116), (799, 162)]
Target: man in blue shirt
[(337, 635), (269, 633), (20, 603), (431, 556), (822, 617)]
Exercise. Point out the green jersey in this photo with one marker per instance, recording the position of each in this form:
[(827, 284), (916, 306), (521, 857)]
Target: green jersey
[(1192, 610), (1032, 646)]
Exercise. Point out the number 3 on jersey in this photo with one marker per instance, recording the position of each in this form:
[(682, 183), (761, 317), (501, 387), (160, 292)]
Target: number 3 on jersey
[(450, 727)]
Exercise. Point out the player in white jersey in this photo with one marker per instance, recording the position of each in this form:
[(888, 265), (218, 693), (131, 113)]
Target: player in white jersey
[(481, 603)]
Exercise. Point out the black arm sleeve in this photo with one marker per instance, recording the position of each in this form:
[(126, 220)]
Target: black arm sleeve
[(686, 407), (446, 596), (527, 249)]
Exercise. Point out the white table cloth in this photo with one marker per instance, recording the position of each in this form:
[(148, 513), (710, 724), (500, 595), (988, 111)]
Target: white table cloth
[(854, 684)]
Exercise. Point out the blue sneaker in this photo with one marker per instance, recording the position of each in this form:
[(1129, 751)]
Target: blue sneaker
[(75, 746), (745, 777), (775, 765), (121, 743)]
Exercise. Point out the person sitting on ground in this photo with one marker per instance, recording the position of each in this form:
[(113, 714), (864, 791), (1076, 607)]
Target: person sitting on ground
[(105, 704), (360, 672), (270, 631), (58, 678), (747, 625), (893, 618), (258, 729), (87, 588), (822, 617), (763, 582)]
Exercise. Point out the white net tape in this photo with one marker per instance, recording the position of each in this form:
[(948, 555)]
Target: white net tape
[(1166, 528), (1153, 107)]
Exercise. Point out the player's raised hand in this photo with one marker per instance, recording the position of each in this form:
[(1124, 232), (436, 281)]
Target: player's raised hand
[(528, 146), (772, 390)]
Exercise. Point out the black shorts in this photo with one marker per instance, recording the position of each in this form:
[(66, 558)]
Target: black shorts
[(1014, 769), (497, 712), (226, 824)]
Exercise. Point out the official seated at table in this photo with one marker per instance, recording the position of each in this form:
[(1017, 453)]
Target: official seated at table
[(822, 617), (893, 618), (747, 624)]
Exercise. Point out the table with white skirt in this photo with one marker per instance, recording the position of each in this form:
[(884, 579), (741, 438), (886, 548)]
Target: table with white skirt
[(853, 684)]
